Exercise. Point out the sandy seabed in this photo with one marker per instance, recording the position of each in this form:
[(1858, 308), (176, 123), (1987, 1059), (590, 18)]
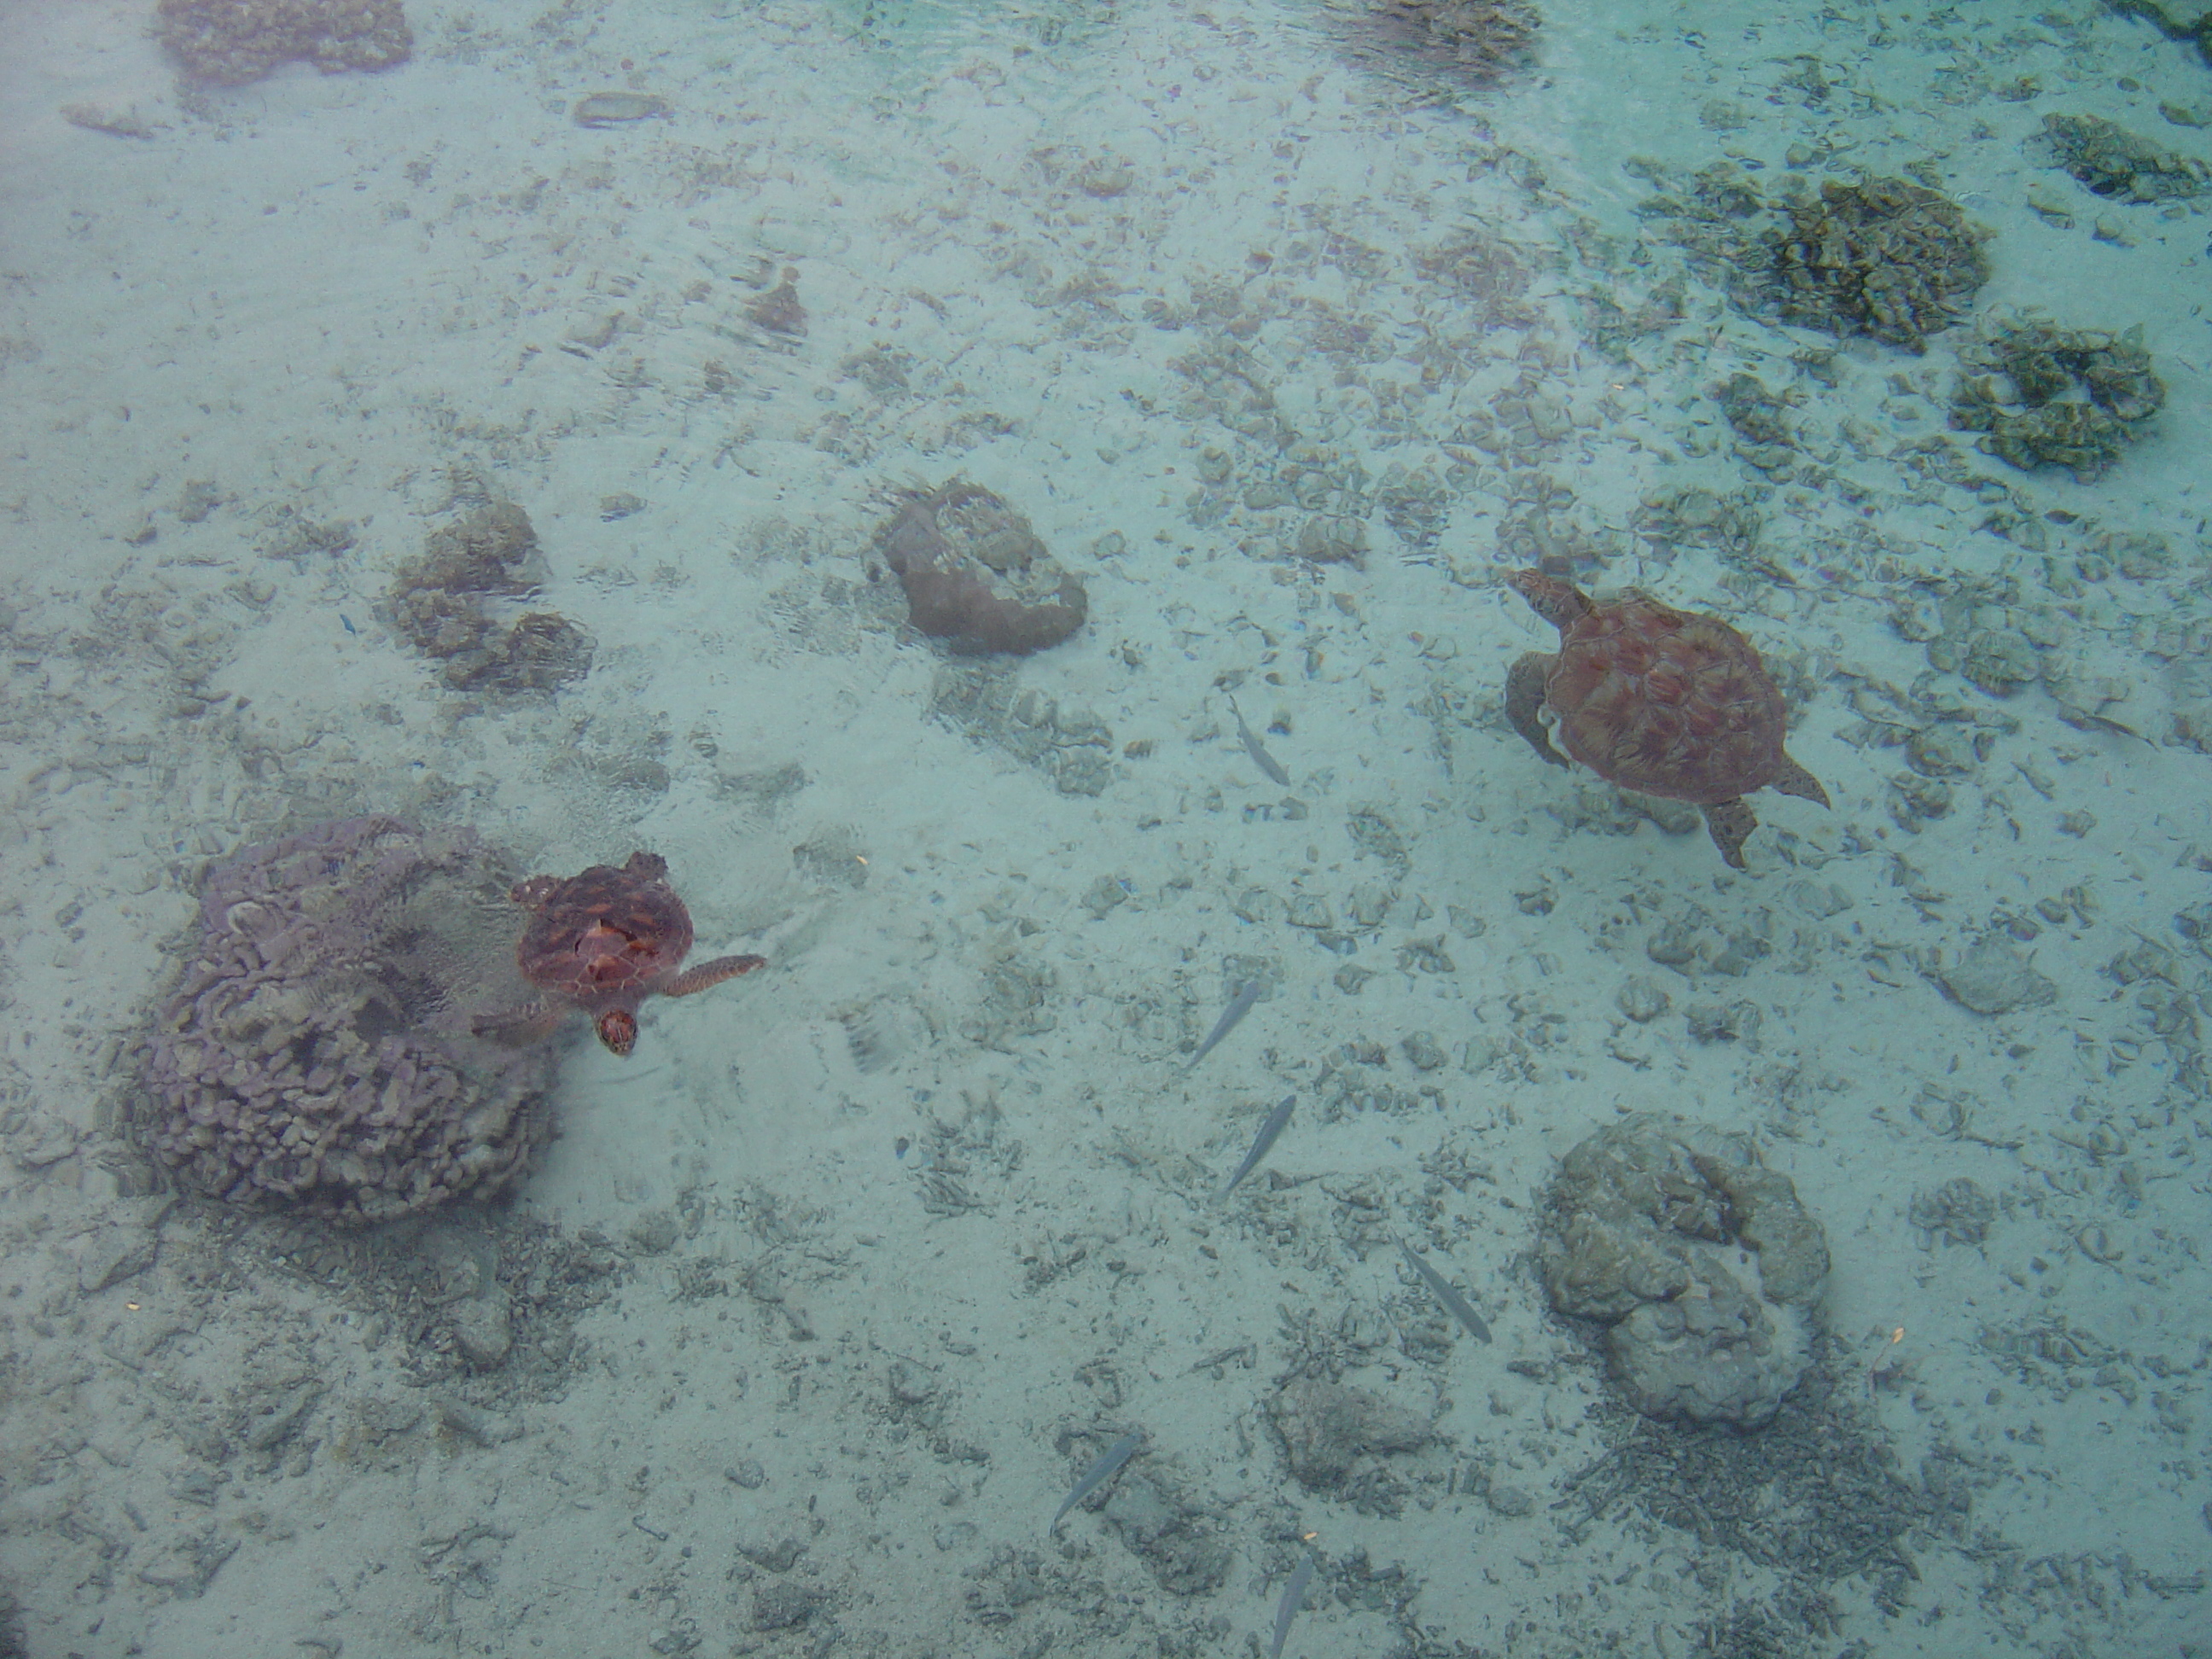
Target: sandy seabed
[(821, 1303)]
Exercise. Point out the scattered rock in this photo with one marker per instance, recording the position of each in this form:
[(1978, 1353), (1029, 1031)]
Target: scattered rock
[(1327, 1427), (1992, 978)]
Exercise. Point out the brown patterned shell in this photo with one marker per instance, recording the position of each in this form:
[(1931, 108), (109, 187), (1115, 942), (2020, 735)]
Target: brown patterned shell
[(1667, 702), (605, 932)]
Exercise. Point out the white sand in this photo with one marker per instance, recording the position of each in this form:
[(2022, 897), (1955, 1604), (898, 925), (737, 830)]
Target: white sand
[(325, 295)]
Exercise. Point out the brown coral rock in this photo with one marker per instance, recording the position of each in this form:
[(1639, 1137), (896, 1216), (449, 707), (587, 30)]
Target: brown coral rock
[(978, 577), (228, 43)]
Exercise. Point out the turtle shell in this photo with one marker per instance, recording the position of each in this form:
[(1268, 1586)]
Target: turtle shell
[(605, 932), (1667, 702)]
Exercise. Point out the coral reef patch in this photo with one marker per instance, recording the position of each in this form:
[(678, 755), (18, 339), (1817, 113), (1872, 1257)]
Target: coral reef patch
[(316, 1053), (976, 576), (228, 43), (448, 605), (1476, 40), (1886, 257), (2047, 395), (2106, 158)]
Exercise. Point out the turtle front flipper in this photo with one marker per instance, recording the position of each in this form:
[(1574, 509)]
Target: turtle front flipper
[(711, 973), (1795, 780), (519, 1028), (1524, 702), (1731, 822)]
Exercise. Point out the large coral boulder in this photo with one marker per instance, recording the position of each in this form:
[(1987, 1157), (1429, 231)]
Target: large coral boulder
[(316, 1053), (1700, 1265)]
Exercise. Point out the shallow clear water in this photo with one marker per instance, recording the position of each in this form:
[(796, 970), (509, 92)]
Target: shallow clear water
[(560, 441)]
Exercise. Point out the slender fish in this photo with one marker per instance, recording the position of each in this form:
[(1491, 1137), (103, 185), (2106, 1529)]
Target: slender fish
[(1240, 1006), (1294, 1595), (1260, 1143), (1266, 762), (1097, 1475), (1451, 1299)]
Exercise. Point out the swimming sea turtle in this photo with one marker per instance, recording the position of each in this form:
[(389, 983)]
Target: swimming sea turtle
[(602, 942), (1656, 700)]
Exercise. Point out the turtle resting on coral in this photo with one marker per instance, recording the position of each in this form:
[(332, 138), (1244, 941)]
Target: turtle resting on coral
[(1656, 700), (602, 942)]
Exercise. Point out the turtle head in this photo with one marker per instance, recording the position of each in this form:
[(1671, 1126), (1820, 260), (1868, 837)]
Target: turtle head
[(1557, 602), (618, 1028)]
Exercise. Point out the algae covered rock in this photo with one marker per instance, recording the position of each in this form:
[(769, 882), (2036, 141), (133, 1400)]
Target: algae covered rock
[(1702, 1265), (316, 1053), (1469, 41)]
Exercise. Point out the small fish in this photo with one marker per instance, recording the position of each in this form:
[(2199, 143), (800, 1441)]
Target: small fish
[(1260, 1143), (1239, 1006), (347, 621), (1458, 1305), (1294, 1595), (1266, 762), (1098, 1475), (606, 109)]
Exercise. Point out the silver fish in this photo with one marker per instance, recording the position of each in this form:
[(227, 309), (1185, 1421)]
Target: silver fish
[(1260, 1143), (1294, 1595), (1239, 1006), (1459, 1308), (1097, 1475), (1266, 762)]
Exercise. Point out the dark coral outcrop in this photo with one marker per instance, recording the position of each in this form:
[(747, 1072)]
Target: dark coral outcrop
[(976, 576), (316, 1053)]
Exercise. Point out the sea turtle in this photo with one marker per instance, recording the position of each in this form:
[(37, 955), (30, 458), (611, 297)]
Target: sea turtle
[(602, 942), (1656, 700)]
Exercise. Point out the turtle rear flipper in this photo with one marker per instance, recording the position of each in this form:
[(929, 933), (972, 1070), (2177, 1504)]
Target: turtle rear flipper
[(1795, 780), (1731, 822)]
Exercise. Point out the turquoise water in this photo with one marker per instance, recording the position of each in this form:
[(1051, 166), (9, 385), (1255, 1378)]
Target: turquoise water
[(564, 442)]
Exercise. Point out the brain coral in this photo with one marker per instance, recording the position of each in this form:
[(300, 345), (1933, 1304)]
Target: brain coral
[(1885, 257), (1702, 1267), (316, 1052)]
